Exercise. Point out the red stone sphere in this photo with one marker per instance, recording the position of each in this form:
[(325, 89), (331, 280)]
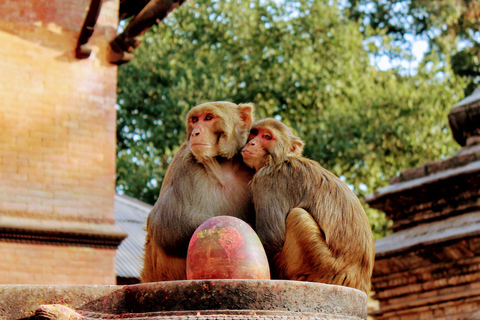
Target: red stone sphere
[(226, 247)]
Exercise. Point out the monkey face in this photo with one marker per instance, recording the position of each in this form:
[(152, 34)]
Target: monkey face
[(203, 135), (270, 142), (256, 151), (218, 129)]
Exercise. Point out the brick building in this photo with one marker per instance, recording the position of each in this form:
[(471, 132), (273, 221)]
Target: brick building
[(57, 145), (429, 268)]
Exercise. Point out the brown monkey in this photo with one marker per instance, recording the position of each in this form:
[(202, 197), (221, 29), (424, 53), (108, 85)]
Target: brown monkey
[(311, 224), (206, 178)]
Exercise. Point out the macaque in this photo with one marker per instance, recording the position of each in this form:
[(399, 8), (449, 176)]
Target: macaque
[(206, 178), (311, 224)]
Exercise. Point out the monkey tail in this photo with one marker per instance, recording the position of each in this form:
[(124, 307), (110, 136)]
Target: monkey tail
[(306, 256)]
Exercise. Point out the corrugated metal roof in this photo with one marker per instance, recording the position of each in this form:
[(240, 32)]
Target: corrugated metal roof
[(130, 216)]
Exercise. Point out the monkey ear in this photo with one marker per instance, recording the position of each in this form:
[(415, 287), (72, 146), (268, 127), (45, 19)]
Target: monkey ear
[(297, 147), (246, 114)]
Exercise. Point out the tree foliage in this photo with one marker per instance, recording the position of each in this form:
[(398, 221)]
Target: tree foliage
[(449, 26), (302, 61)]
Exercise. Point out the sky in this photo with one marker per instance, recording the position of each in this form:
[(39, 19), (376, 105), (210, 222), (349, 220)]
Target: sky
[(418, 47)]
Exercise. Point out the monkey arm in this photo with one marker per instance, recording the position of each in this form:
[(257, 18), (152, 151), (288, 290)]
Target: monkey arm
[(272, 207), (176, 213)]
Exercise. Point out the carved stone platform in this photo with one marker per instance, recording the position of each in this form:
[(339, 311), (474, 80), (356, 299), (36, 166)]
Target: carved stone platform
[(192, 299)]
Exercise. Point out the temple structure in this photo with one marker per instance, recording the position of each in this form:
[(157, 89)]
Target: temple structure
[(429, 268), (57, 145)]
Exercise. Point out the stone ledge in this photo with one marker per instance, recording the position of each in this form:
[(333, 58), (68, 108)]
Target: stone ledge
[(463, 157), (302, 300), (471, 167), (438, 196), (460, 227), (57, 232)]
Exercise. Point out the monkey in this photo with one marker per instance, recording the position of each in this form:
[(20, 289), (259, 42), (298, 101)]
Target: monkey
[(311, 224), (206, 178)]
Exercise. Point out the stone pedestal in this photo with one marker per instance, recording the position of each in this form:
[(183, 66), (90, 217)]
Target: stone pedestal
[(429, 268), (194, 299)]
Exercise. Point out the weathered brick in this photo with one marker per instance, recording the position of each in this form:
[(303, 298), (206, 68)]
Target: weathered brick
[(468, 307), (426, 315), (451, 310), (57, 138), (438, 312)]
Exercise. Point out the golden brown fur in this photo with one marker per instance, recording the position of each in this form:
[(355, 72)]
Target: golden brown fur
[(312, 225), (206, 178)]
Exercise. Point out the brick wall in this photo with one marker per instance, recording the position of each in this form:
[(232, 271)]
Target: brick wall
[(468, 309), (49, 264), (433, 282), (57, 134)]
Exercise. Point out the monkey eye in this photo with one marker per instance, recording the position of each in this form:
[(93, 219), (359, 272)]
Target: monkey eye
[(208, 117), (254, 132), (267, 137), (194, 119)]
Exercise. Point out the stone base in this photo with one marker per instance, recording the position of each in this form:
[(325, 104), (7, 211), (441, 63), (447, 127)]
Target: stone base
[(194, 299)]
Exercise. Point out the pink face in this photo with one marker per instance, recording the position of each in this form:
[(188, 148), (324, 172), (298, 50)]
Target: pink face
[(260, 140), (203, 137)]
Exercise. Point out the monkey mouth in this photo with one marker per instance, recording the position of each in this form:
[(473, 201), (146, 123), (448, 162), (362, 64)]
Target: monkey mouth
[(200, 144), (246, 153)]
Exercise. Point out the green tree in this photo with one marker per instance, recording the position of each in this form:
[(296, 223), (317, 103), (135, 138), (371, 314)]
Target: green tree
[(300, 61), (449, 26)]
